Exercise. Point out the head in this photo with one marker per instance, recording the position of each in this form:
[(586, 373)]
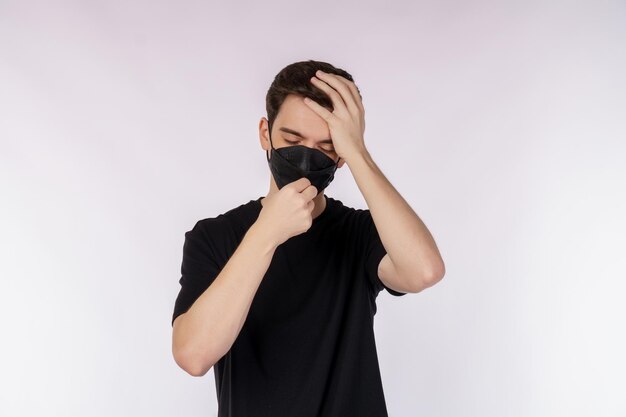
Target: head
[(291, 122)]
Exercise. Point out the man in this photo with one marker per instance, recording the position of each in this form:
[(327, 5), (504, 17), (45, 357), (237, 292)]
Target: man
[(278, 294)]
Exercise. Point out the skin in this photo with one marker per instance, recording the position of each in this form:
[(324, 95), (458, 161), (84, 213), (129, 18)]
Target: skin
[(413, 261)]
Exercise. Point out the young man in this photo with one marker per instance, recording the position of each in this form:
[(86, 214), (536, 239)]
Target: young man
[(278, 295)]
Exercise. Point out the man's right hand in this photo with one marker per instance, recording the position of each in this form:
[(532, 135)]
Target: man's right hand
[(288, 212)]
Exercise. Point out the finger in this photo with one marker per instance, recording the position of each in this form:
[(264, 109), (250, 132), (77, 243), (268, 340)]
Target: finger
[(335, 83), (322, 111), (299, 184), (310, 192), (356, 94), (336, 97)]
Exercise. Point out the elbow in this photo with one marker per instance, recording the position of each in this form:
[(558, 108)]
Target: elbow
[(193, 364), (434, 275), (198, 370), (429, 278), (191, 359)]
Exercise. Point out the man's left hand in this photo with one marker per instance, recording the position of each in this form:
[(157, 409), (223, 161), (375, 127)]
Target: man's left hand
[(347, 121)]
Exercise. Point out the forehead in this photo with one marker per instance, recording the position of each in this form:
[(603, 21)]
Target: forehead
[(296, 115)]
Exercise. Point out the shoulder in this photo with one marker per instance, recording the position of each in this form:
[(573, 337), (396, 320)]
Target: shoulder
[(354, 214), (201, 238), (340, 209), (225, 222), (356, 223), (210, 224)]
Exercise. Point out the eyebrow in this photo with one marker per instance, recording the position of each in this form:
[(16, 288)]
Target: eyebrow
[(293, 132)]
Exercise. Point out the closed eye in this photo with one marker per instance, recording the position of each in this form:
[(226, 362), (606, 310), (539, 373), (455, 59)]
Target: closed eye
[(291, 142)]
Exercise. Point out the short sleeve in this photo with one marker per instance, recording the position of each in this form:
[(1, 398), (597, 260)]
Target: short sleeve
[(199, 267), (374, 253)]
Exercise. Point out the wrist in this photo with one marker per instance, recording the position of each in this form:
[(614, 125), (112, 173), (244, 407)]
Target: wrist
[(361, 154), (261, 237)]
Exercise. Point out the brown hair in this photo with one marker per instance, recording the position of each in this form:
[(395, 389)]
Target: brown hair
[(295, 79)]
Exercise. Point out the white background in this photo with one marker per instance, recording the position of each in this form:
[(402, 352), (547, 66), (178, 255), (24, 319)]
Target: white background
[(122, 123)]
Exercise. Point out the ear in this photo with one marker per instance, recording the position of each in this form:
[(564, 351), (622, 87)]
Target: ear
[(263, 137)]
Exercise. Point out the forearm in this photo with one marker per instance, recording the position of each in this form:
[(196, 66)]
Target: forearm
[(211, 325), (406, 238)]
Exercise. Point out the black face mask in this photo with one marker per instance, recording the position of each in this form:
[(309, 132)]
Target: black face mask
[(291, 163)]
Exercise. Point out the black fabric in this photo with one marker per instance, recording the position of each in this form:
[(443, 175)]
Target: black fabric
[(307, 347)]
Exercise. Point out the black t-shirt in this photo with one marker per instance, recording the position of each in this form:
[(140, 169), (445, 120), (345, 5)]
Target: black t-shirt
[(307, 347)]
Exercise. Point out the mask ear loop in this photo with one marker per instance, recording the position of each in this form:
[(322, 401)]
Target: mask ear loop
[(271, 145)]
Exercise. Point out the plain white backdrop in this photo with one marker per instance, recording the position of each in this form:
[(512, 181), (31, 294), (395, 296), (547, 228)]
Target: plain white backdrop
[(503, 124)]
